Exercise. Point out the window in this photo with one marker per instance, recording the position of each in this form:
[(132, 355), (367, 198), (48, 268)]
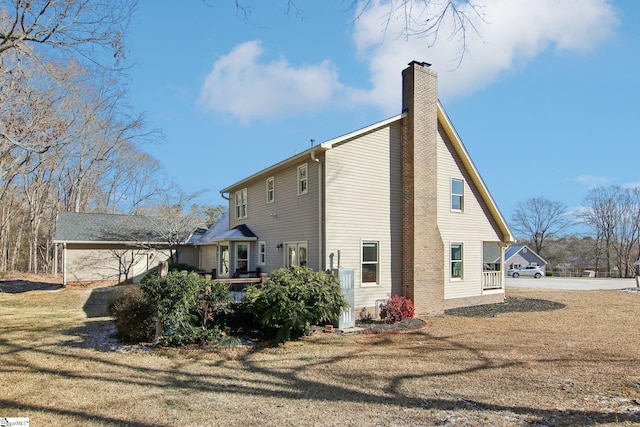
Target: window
[(456, 260), (242, 256), (370, 262), (303, 179), (262, 253), (241, 203), (457, 194), (223, 269), (271, 190), (296, 254)]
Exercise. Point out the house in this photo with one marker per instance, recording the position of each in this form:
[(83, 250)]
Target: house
[(522, 256), (399, 201), (110, 248)]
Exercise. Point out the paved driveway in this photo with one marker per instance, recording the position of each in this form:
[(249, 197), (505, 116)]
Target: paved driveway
[(569, 283)]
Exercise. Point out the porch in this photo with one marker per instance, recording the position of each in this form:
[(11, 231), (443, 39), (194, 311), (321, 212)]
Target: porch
[(491, 280)]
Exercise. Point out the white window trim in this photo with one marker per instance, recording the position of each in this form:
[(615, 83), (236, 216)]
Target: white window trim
[(271, 191), (377, 282), (306, 179), (243, 198), (262, 252), (455, 194), (297, 244), (461, 278)]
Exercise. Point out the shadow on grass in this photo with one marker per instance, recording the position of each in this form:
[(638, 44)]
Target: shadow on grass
[(255, 379), (251, 378), (20, 286), (96, 304)]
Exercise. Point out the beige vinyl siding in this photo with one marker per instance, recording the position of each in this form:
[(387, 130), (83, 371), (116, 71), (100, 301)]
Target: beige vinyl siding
[(208, 257), (289, 218), (363, 202), (471, 227), (86, 263)]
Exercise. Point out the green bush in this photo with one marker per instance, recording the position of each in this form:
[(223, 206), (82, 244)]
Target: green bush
[(178, 266), (132, 314), (190, 308), (293, 299)]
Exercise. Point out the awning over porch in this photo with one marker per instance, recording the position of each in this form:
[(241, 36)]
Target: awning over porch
[(220, 231)]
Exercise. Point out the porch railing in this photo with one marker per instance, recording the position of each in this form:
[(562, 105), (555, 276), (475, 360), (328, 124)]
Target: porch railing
[(491, 280), (239, 285)]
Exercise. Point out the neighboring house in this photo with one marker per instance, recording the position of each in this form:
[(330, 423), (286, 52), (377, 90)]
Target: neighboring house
[(522, 256), (109, 247), (399, 201)]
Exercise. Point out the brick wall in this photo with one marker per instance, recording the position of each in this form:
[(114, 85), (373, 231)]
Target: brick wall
[(423, 251)]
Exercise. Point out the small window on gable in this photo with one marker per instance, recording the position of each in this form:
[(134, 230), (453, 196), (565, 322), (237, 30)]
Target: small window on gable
[(303, 179), (271, 190), (241, 203), (457, 194)]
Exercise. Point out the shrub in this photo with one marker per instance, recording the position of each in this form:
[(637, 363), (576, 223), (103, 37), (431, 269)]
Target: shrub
[(189, 307), (396, 309), (178, 266), (132, 314), (293, 299)]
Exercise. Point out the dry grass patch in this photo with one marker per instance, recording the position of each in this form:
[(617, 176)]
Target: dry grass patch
[(579, 365)]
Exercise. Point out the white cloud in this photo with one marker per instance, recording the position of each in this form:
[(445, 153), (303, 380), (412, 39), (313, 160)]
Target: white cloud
[(592, 181), (513, 32), (240, 85)]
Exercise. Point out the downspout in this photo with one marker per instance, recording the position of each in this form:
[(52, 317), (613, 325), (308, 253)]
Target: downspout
[(222, 195), (502, 266), (64, 265), (320, 210)]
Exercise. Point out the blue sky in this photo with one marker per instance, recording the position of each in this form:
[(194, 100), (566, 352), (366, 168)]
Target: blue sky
[(545, 101)]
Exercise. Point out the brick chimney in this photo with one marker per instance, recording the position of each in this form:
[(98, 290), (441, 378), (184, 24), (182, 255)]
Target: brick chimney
[(422, 246)]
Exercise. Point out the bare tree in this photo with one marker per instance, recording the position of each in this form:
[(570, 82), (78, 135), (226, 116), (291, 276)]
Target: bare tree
[(539, 219), (75, 27), (176, 219), (613, 213), (425, 19)]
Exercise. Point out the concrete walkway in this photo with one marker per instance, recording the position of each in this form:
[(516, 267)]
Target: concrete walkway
[(569, 283)]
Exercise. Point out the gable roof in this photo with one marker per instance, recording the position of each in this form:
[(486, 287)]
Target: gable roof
[(460, 149), (311, 152), (514, 250), (451, 133), (220, 232), (80, 227)]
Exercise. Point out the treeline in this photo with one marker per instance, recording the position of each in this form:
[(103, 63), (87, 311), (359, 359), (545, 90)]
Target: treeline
[(609, 224), (68, 139)]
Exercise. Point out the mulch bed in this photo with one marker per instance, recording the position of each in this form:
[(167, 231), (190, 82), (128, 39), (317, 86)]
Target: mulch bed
[(511, 305)]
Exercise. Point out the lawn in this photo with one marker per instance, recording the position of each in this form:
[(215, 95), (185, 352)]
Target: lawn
[(577, 365)]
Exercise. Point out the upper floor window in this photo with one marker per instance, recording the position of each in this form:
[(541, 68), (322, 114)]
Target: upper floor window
[(241, 203), (271, 190), (457, 194), (303, 179)]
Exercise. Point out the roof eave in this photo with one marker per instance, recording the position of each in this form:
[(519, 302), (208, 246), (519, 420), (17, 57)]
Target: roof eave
[(325, 146)]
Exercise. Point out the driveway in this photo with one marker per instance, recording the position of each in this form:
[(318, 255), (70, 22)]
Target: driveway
[(569, 283)]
